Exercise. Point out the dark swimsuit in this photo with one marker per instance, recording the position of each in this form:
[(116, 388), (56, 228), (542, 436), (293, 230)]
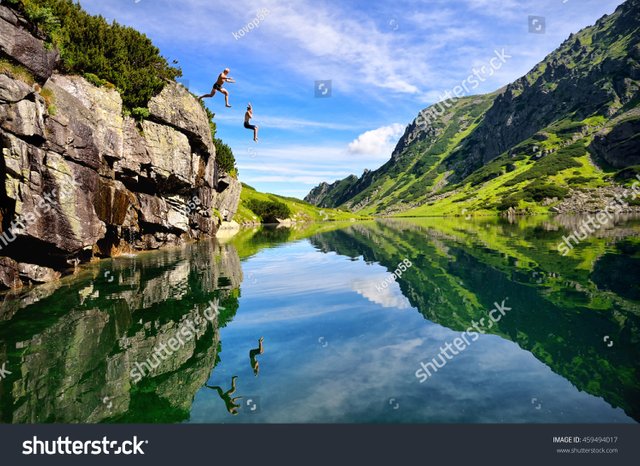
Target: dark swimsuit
[(248, 126), (217, 87)]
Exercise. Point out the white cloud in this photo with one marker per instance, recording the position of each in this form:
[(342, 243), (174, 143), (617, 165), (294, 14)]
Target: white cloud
[(377, 141)]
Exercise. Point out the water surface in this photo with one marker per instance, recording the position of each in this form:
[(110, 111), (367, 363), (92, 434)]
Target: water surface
[(341, 340)]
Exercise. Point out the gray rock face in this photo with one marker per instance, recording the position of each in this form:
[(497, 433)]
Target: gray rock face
[(24, 118), (12, 91), (38, 274), (27, 50), (618, 144), (228, 200), (80, 180), (176, 107)]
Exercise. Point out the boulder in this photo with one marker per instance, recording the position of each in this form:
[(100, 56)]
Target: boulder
[(170, 156), (38, 274), (176, 107), (88, 126), (227, 201), (24, 118), (103, 111), (156, 211), (12, 90), (618, 143)]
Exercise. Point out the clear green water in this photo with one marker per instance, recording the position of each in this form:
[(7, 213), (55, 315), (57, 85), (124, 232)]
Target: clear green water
[(338, 345)]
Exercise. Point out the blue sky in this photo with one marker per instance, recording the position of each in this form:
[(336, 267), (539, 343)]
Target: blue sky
[(386, 60)]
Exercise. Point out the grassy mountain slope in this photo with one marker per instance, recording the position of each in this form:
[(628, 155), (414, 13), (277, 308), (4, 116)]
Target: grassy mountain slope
[(570, 124), (300, 211)]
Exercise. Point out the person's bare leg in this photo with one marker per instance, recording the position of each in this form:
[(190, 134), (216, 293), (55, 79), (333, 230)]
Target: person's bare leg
[(233, 385), (211, 94), (226, 97), (255, 138)]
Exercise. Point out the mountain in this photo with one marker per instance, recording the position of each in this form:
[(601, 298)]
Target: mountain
[(567, 129), (81, 175)]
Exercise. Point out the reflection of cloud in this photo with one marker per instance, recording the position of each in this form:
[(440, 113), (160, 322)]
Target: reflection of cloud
[(391, 296), (371, 355), (492, 381)]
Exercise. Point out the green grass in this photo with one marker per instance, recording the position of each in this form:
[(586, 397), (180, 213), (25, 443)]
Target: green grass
[(301, 211), (16, 72)]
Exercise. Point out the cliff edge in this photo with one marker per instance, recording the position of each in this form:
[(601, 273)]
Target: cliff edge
[(81, 180)]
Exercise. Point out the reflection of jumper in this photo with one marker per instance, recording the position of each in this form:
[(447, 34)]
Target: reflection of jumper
[(252, 357), (229, 402)]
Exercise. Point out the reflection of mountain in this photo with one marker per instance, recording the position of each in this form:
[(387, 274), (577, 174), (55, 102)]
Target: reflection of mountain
[(251, 241), (562, 308), (71, 350)]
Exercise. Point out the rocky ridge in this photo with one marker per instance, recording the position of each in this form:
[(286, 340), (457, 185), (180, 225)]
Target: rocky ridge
[(81, 180)]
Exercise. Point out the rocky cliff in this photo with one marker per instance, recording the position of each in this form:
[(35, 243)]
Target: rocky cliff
[(80, 179)]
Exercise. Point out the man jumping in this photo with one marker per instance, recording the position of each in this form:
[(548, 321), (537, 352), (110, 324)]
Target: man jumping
[(247, 122), (222, 78)]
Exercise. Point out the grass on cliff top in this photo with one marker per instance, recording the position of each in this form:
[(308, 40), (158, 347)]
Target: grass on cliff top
[(301, 211), (107, 51)]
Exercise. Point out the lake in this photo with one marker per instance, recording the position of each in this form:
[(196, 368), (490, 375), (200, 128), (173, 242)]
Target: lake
[(388, 321)]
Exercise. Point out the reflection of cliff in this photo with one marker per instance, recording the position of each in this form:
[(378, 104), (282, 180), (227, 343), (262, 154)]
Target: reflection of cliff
[(71, 352), (459, 272)]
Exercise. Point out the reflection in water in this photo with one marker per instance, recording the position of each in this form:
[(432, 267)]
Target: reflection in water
[(71, 350), (252, 356), (339, 347), (229, 402), (567, 306)]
